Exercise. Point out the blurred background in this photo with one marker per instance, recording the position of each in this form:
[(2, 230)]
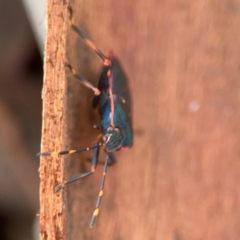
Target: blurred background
[(21, 74)]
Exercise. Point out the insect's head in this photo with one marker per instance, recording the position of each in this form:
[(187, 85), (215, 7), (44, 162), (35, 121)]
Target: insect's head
[(113, 138)]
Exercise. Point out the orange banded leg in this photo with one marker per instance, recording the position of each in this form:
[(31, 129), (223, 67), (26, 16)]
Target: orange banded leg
[(66, 152), (96, 211), (83, 80), (82, 35), (82, 175)]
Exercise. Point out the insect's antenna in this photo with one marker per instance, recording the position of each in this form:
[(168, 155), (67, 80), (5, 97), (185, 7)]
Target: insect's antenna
[(82, 35), (83, 80), (66, 152), (96, 211)]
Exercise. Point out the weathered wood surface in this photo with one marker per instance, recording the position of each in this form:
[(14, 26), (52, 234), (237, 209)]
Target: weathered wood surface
[(180, 180)]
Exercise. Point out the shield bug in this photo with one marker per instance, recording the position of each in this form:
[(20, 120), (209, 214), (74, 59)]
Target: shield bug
[(112, 97)]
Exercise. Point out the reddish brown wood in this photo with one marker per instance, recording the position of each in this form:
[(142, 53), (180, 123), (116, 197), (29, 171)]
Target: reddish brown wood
[(54, 96), (180, 179)]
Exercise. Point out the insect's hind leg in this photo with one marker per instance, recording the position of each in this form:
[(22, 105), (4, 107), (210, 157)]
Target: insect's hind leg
[(82, 175), (83, 36)]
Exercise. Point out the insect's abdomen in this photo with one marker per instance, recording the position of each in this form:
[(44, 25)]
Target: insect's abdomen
[(122, 121)]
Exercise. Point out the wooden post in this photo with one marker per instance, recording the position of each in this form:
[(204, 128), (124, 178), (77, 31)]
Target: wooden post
[(179, 181), (52, 208)]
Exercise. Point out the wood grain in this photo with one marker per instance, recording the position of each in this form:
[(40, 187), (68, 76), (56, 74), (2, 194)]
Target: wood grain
[(179, 181)]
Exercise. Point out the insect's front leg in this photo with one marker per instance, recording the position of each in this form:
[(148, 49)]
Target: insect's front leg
[(95, 155)]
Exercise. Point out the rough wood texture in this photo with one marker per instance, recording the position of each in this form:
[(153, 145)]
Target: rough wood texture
[(180, 179), (54, 91)]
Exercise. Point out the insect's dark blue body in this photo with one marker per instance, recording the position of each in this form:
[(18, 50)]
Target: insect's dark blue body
[(121, 101), (112, 97)]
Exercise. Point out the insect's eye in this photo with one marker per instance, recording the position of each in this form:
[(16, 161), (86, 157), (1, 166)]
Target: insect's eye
[(110, 130)]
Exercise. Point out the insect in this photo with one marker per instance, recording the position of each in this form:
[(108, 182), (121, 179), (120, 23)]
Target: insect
[(112, 97)]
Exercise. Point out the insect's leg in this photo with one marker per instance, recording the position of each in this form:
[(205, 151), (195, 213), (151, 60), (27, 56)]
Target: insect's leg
[(112, 159), (82, 35), (83, 80), (82, 175), (96, 211), (98, 127), (66, 152)]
